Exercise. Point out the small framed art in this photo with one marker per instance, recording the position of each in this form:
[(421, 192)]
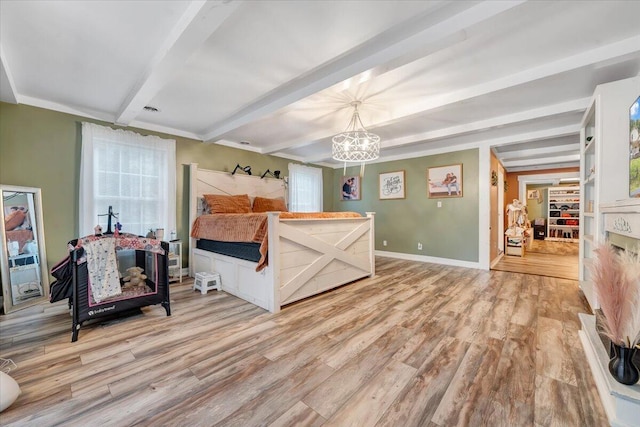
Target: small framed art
[(392, 185), (350, 188)]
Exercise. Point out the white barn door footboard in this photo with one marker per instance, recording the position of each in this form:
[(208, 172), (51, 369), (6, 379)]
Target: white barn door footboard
[(315, 255)]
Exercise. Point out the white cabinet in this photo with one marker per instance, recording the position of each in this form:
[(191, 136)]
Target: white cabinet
[(175, 261), (563, 222), (604, 165)]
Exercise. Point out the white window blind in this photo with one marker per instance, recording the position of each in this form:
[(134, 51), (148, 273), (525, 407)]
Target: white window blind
[(134, 174), (305, 188)]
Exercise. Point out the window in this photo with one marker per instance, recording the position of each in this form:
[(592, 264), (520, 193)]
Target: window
[(305, 188), (134, 174)]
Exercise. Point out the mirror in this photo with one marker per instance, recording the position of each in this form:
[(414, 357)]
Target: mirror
[(23, 266)]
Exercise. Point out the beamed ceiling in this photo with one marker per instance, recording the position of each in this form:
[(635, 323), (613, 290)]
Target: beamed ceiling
[(433, 76)]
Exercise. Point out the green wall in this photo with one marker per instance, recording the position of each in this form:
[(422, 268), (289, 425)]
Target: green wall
[(535, 209), (447, 232), (41, 148)]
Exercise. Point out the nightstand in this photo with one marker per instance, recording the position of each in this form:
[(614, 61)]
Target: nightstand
[(175, 261)]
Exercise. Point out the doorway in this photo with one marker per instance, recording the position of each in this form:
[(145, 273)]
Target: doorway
[(543, 255)]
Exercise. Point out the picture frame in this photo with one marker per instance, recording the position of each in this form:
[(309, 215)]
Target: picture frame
[(392, 185), (445, 181), (533, 194), (350, 188), (634, 149)]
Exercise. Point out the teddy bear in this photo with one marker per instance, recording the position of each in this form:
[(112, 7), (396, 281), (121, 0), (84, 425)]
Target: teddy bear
[(134, 277)]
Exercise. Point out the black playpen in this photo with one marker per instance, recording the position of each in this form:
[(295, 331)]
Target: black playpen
[(74, 279)]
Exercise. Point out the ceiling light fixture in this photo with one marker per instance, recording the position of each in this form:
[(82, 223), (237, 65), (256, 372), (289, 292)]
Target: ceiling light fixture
[(355, 144), (245, 169), (151, 109)]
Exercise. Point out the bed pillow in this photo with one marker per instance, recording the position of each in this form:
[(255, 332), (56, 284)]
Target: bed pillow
[(263, 204), (218, 203), (14, 219)]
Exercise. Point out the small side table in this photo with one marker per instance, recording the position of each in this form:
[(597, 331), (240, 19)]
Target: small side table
[(175, 261)]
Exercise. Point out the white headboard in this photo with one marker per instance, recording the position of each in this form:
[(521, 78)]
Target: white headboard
[(203, 181), (217, 182)]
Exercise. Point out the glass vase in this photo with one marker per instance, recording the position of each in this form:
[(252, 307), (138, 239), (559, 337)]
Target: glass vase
[(621, 365)]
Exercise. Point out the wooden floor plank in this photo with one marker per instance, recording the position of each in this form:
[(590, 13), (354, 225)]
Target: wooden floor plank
[(382, 389), (419, 344)]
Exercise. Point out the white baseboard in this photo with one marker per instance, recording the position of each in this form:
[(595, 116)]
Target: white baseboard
[(434, 260), (497, 260)]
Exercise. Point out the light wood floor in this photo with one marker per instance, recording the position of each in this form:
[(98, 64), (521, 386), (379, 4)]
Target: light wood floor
[(418, 345), (546, 258)]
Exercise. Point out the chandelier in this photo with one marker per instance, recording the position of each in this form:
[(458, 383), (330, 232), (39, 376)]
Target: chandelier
[(355, 144)]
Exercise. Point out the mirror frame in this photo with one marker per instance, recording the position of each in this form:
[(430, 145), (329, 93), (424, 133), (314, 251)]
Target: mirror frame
[(4, 252)]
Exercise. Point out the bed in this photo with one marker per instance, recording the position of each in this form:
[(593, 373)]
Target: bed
[(132, 252), (302, 254)]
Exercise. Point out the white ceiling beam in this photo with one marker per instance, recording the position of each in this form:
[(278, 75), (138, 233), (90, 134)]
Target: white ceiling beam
[(544, 167), (601, 54), (541, 151), (428, 28), (540, 135), (541, 161), (574, 106), (8, 92), (201, 19)]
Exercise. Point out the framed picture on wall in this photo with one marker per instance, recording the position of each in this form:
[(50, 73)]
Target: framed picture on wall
[(392, 185), (533, 194), (445, 181), (350, 187), (634, 149)]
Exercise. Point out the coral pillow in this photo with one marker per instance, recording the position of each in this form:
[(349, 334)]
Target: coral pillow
[(13, 220), (263, 204), (218, 203)]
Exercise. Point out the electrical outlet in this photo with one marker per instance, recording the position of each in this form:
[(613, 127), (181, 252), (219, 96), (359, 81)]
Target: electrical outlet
[(419, 246), (384, 243), (439, 204)]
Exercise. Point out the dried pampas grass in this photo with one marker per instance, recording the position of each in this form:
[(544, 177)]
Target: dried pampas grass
[(616, 278)]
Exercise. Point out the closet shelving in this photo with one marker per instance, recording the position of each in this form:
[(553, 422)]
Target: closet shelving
[(563, 222)]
